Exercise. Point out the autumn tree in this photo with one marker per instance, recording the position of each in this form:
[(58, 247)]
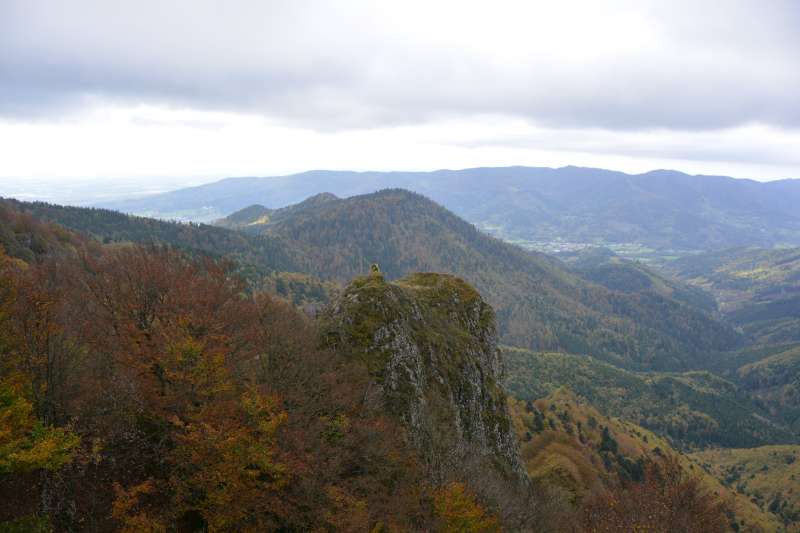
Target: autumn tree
[(459, 512), (28, 443), (666, 501)]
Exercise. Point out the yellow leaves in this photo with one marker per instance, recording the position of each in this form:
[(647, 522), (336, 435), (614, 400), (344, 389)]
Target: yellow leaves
[(223, 470), (336, 427), (96, 451), (225, 461), (347, 513), (127, 508), (25, 443), (263, 410), (27, 524), (460, 513), (190, 367), (48, 448), (175, 421)]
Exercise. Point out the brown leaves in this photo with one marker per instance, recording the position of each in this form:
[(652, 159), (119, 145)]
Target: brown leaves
[(459, 512), (667, 501)]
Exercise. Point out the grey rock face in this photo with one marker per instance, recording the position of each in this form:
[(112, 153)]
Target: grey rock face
[(430, 342)]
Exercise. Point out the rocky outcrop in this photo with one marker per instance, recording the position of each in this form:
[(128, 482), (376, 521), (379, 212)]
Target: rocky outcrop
[(430, 343)]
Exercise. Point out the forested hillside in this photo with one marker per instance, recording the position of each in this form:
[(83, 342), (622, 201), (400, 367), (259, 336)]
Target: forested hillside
[(692, 409), (609, 465), (264, 261), (142, 389), (260, 252), (540, 303), (612, 309), (604, 267), (757, 289)]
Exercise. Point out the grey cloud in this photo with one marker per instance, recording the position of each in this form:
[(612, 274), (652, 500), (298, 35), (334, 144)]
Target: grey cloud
[(759, 147), (333, 65)]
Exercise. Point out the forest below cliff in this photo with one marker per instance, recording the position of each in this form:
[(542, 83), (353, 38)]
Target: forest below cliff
[(144, 388)]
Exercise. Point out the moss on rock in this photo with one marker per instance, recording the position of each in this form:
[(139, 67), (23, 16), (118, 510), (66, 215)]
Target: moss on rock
[(430, 343)]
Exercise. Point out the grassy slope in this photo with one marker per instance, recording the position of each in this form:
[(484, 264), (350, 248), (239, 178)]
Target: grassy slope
[(567, 453), (770, 475), (759, 291)]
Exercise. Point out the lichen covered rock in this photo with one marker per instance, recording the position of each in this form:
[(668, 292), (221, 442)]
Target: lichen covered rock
[(430, 343)]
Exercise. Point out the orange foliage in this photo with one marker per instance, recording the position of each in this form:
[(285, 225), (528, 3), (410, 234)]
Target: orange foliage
[(665, 502), (459, 512)]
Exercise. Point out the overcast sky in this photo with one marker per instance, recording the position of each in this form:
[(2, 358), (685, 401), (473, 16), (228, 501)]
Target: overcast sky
[(170, 92)]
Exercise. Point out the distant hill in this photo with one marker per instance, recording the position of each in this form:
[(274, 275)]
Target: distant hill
[(540, 303), (262, 253), (775, 382), (257, 216), (757, 289), (604, 267), (266, 262), (662, 210), (693, 409)]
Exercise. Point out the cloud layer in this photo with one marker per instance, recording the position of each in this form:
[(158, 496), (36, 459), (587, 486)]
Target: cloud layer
[(630, 65)]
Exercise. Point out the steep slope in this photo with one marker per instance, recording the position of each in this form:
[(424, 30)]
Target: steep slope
[(169, 363), (665, 210), (694, 409), (191, 404), (540, 304), (775, 382), (757, 289), (430, 342), (769, 475), (224, 443), (26, 238), (569, 444)]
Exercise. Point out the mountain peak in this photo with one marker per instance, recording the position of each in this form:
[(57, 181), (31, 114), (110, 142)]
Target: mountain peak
[(319, 199), (254, 214)]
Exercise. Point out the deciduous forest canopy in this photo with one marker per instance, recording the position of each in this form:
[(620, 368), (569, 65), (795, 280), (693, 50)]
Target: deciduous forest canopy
[(161, 375)]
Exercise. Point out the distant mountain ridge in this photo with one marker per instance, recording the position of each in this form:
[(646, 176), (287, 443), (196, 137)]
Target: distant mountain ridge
[(662, 209)]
